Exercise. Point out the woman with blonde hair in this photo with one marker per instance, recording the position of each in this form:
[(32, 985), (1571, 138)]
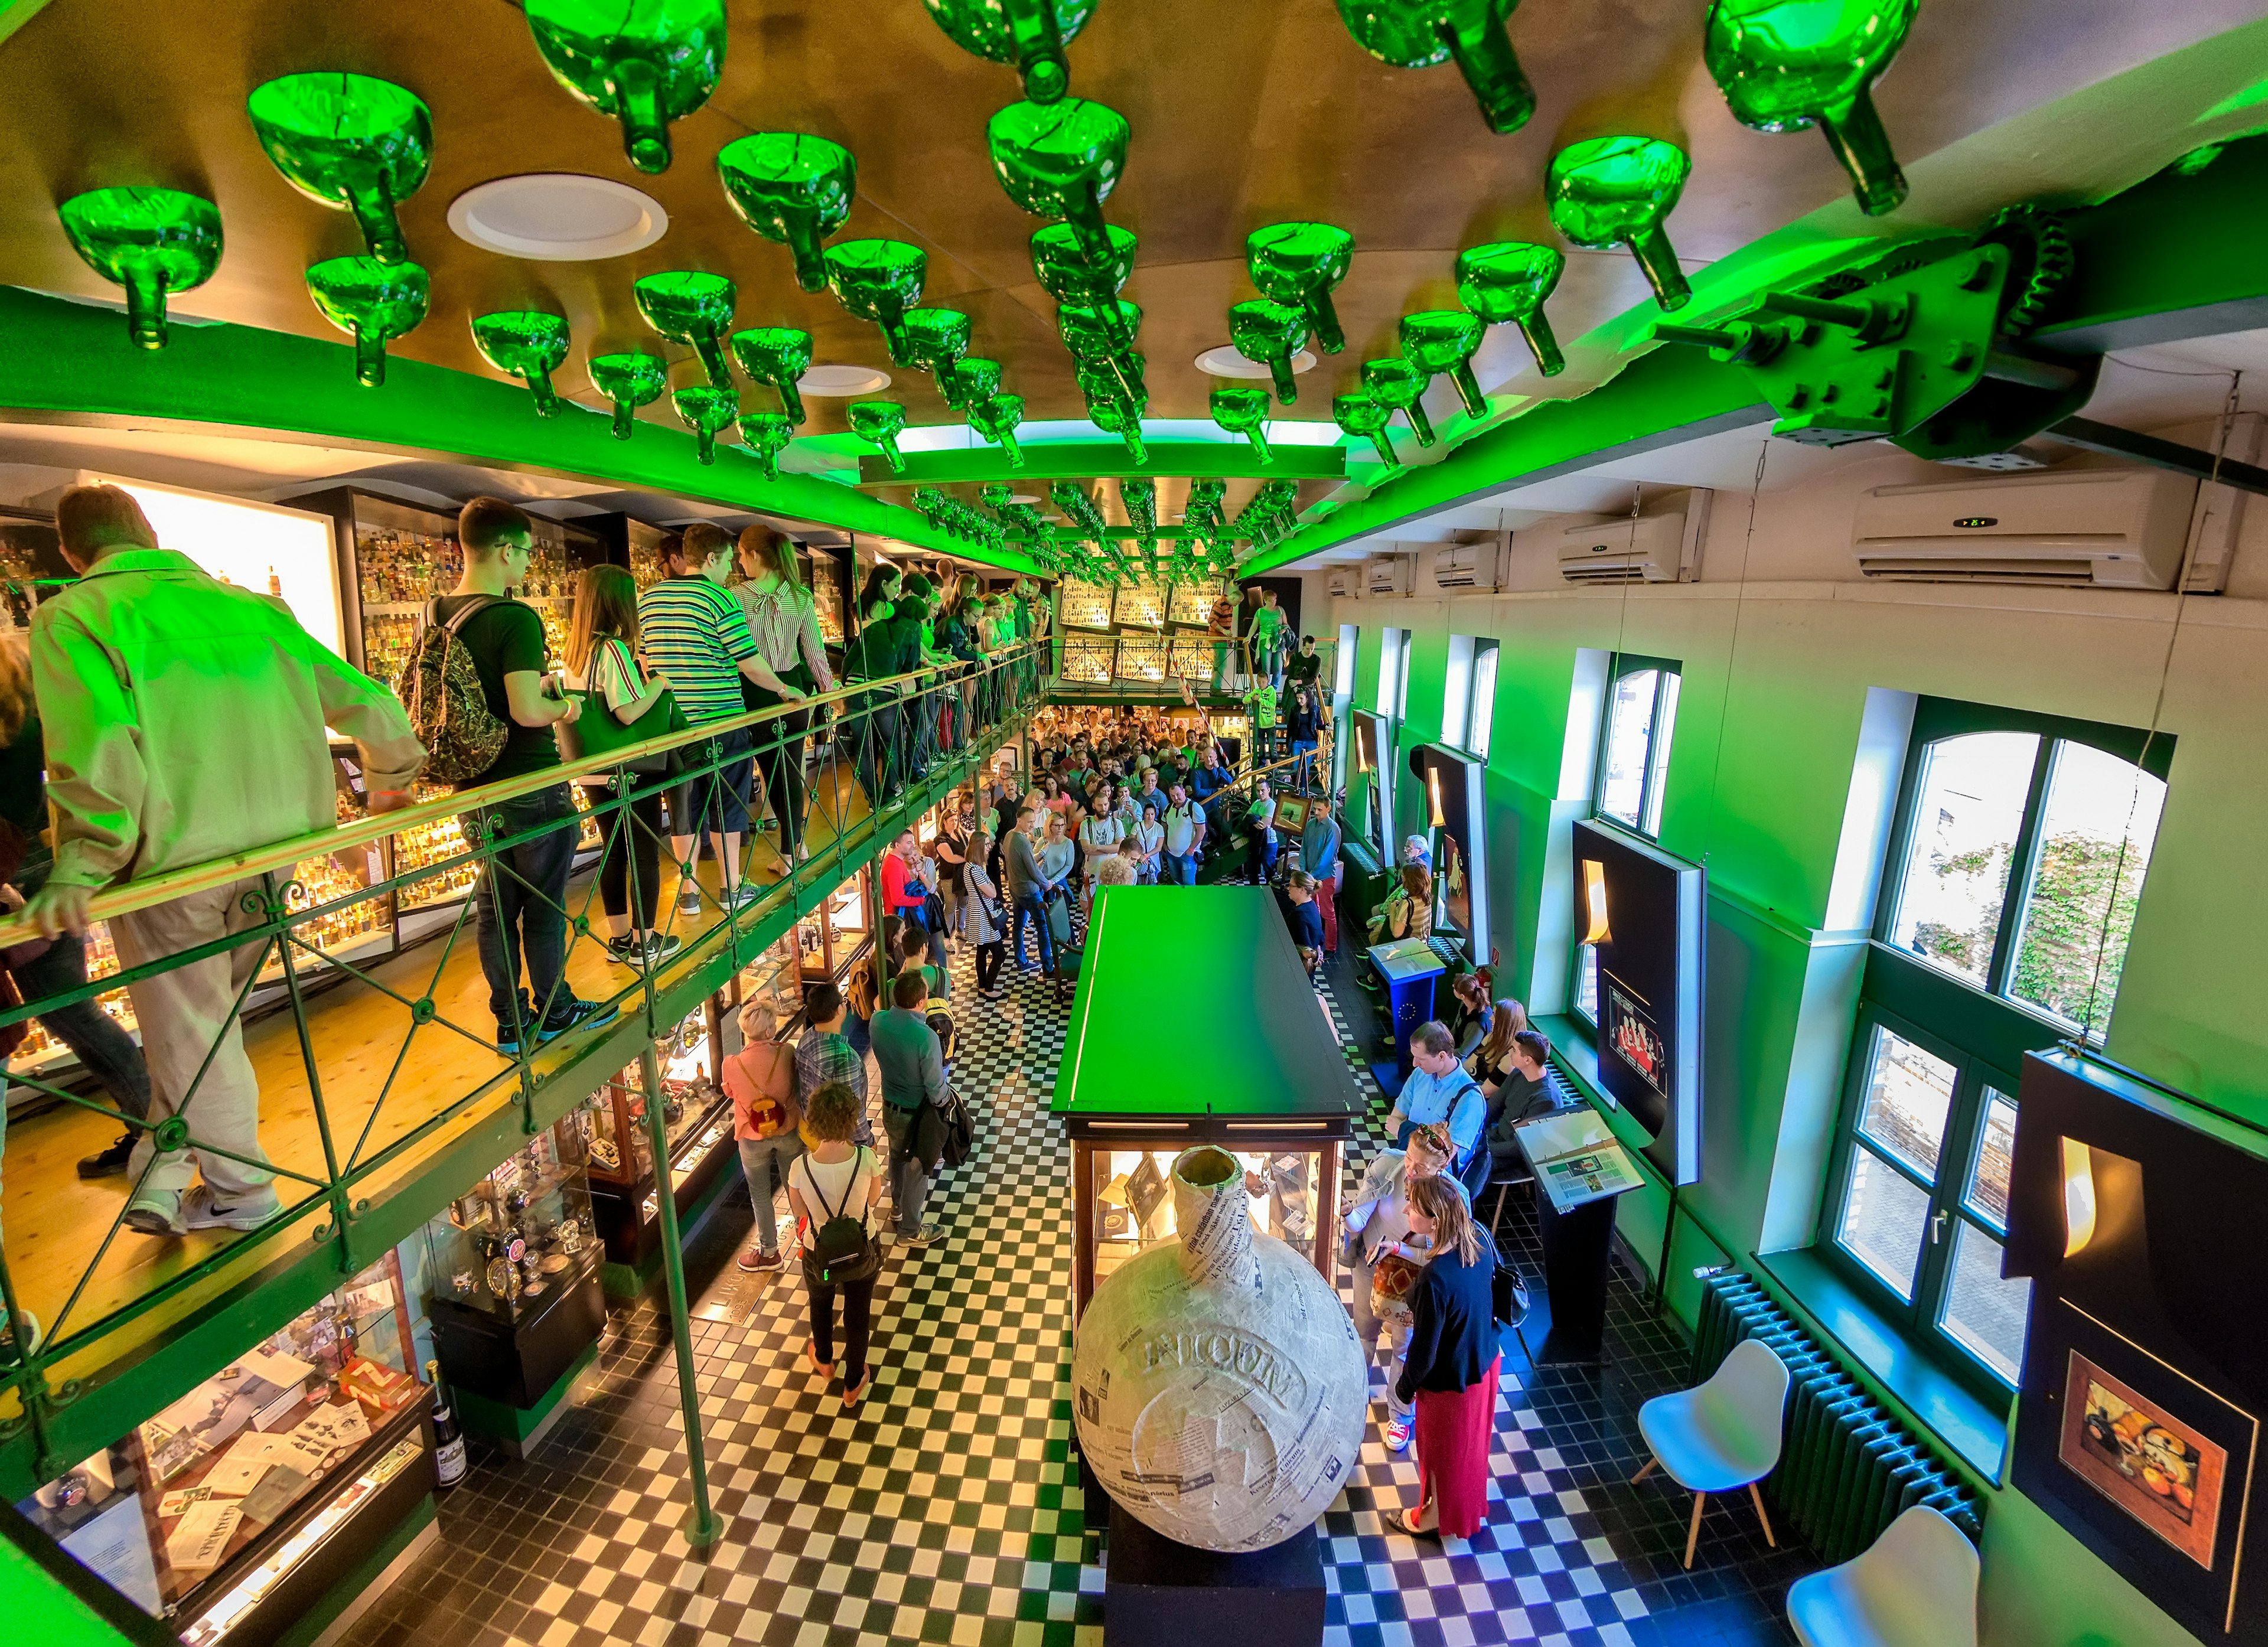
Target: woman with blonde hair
[(1408, 911), (1384, 1256), (783, 619), (602, 660), (760, 1079), (1450, 1370)]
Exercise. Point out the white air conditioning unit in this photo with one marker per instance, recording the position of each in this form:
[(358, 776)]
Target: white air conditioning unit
[(1387, 575), (1463, 568), (2089, 528), (1654, 549), (1345, 582)]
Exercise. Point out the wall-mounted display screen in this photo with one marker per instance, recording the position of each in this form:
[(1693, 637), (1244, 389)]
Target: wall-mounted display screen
[(1449, 791), (1640, 911), (258, 546)]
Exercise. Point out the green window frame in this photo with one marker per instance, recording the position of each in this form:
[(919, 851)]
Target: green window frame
[(1657, 707)]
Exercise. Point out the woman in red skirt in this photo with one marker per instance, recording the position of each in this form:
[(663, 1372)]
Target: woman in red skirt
[(1451, 1365)]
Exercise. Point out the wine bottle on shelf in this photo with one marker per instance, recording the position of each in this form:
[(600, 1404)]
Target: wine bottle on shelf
[(879, 281), (691, 308), (1269, 334), (1443, 339), (1420, 33), (778, 356), (1786, 64), (880, 421), (1299, 265), (1509, 280), (1608, 191), (629, 380), (643, 62), (151, 241), (1029, 33), (348, 141), (374, 302), (1062, 160), (527, 343), (448, 1439), (794, 188)]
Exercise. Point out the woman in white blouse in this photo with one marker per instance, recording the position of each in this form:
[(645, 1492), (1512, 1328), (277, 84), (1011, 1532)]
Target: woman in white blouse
[(784, 618)]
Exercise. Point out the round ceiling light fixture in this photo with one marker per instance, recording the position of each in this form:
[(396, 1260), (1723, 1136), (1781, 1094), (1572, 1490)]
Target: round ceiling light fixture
[(558, 217), (1223, 361), (840, 380)]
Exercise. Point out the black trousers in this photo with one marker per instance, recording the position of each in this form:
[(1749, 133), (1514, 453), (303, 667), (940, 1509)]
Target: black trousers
[(779, 758), (857, 1314), (633, 837), (989, 957)]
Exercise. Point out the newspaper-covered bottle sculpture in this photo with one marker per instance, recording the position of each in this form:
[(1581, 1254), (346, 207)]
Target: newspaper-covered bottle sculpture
[(1217, 1386)]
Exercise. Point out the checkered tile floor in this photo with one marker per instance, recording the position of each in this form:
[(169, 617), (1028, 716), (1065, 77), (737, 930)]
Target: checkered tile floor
[(946, 1507)]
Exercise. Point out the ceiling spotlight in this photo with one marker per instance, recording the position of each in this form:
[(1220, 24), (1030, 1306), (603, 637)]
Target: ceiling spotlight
[(558, 217), (840, 380), (1023, 497), (1223, 361)]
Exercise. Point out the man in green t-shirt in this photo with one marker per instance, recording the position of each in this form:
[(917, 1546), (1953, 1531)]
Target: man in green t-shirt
[(1267, 640)]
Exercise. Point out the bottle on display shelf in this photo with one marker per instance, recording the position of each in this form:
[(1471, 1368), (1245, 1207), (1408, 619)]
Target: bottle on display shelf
[(448, 1439)]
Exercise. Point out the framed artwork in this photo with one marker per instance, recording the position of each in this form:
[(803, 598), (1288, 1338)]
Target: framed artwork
[(1290, 813), (2164, 1473)]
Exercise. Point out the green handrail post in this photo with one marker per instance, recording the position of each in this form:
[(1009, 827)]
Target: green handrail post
[(701, 1527)]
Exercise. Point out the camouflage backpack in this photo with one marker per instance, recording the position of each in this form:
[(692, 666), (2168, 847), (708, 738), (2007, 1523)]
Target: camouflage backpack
[(441, 689)]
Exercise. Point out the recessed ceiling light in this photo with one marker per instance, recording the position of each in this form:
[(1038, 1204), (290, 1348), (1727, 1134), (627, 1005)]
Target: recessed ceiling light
[(558, 217), (1223, 361), (1023, 497), (843, 381)]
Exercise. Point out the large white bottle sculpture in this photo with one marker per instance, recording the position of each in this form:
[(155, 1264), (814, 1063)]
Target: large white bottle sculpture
[(1217, 1385)]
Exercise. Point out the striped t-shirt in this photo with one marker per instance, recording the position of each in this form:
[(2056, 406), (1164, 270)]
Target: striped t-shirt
[(695, 632)]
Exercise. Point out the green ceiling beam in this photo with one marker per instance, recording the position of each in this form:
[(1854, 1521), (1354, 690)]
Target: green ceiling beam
[(1083, 459), (72, 361)]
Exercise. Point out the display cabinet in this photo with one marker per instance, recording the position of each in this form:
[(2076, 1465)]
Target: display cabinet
[(834, 937), (1191, 655), (1138, 606), (1083, 606), (1088, 659), (697, 1123), (236, 1509), (1142, 659), (1191, 603), (828, 592)]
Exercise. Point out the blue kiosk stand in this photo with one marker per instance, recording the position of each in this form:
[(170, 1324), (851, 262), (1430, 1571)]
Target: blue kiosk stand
[(1409, 966)]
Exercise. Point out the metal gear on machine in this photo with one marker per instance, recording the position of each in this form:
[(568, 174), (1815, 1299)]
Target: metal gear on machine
[(2034, 238)]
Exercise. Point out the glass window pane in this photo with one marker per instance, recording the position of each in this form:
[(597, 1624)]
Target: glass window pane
[(1883, 1215), (2095, 834), (1983, 1313), (1630, 719), (1586, 981), (1909, 1093), (1665, 724), (1987, 1193), (1966, 819), (1484, 702)]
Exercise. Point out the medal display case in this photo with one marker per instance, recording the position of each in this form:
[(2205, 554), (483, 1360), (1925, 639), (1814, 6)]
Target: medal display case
[(698, 1122), (237, 1509)]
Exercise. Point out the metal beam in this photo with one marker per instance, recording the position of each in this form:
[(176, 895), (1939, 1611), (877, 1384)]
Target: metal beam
[(1079, 460), (2164, 454)]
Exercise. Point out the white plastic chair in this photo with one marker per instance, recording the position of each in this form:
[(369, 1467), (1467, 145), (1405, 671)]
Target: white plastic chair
[(1720, 1436), (1915, 1586)]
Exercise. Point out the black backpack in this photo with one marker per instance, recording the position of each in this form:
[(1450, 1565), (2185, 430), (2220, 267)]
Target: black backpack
[(840, 1250)]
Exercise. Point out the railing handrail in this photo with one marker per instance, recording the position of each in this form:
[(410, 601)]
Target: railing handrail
[(123, 897)]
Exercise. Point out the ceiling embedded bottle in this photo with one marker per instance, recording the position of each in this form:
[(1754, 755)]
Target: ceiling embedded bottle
[(1443, 339), (1269, 334), (777, 356), (374, 302), (1115, 406), (347, 140), (793, 188), (996, 418), (1029, 33), (881, 423), (643, 62), (1101, 337), (1610, 191), (1361, 414), (936, 338), (1068, 275), (767, 434), (1508, 281), (1299, 265), (692, 308), (1062, 160), (879, 281), (1420, 33), (972, 378), (1243, 411), (526, 343), (708, 411), (1786, 64), (151, 241), (629, 380), (1399, 386)]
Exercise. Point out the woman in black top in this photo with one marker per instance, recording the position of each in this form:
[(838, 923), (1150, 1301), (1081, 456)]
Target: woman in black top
[(952, 858), (1449, 1372)]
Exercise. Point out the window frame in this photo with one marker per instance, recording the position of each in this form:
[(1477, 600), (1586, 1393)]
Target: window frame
[(1480, 698), (1342, 704), (1655, 771)]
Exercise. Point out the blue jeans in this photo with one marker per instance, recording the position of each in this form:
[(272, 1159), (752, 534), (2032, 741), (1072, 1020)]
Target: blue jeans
[(1032, 907), (1178, 871), (107, 1050), (519, 906), (1303, 756), (761, 1160)]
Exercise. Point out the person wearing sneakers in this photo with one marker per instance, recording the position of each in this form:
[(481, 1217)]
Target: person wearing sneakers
[(836, 1180), (1377, 1235), (760, 1079), (824, 1053), (184, 721), (784, 619), (911, 1059)]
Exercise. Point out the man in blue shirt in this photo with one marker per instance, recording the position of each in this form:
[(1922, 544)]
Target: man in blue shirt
[(1318, 856), (1439, 1090)]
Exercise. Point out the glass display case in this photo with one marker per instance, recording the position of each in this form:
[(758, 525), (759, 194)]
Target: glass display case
[(1142, 658), (1191, 656), (1083, 606), (824, 569), (1192, 603), (1088, 660), (1138, 606), (697, 1125), (1133, 1208), (833, 938), (240, 1505)]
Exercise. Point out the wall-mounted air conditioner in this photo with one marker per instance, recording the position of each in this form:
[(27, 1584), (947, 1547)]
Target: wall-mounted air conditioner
[(1345, 582), (1659, 548), (1463, 567), (2091, 528), (1387, 575)]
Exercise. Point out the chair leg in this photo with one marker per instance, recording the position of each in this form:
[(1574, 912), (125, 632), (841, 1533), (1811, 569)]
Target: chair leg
[(1757, 1498), (1693, 1532), (1496, 1216), (1650, 1465)]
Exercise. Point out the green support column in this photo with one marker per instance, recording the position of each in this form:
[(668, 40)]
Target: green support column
[(702, 1526)]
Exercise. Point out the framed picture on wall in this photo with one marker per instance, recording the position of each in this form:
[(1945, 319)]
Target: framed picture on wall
[(2166, 1473)]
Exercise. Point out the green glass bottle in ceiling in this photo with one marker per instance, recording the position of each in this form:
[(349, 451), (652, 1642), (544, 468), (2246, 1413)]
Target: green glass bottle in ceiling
[(1114, 405), (374, 302), (1508, 281), (690, 307), (525, 343), (1443, 339), (767, 434), (1397, 385), (1062, 160), (1299, 265), (972, 378), (1361, 414), (936, 338), (1420, 33), (879, 281), (708, 411), (1029, 33), (1068, 275), (881, 423), (1784, 64), (1269, 334), (151, 241), (629, 380), (1243, 411), (791, 189), (777, 356), (1606, 191), (348, 141), (643, 62), (1098, 331), (996, 419)]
